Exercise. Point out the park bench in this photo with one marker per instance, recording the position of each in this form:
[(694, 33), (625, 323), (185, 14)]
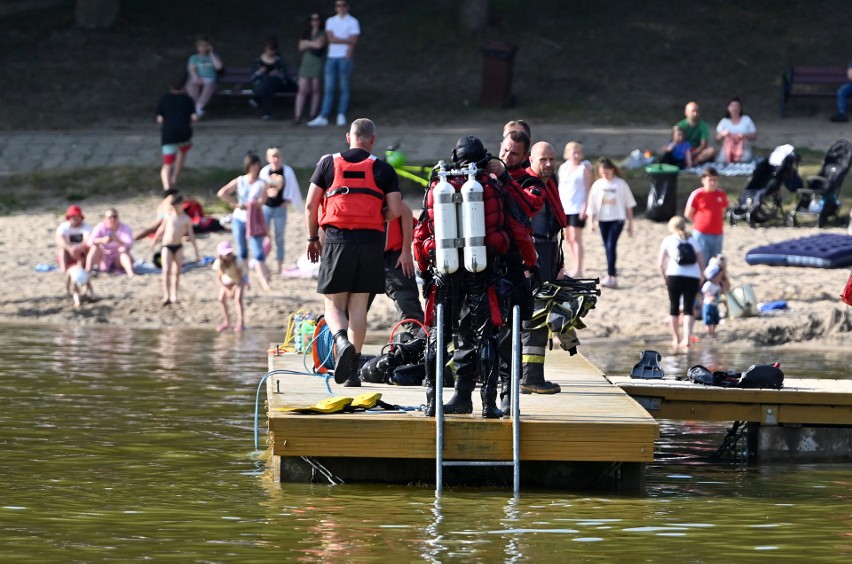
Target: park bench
[(811, 82), (235, 82)]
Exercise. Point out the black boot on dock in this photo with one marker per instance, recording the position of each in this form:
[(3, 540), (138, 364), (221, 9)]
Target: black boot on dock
[(460, 404), (489, 403)]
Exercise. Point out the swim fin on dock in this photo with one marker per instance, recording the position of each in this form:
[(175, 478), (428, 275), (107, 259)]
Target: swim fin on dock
[(648, 366)]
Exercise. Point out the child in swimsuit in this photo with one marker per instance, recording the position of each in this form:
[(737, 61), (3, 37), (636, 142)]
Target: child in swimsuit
[(232, 275), (78, 285), (175, 227)]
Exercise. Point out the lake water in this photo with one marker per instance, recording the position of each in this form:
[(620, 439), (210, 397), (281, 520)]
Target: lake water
[(121, 444)]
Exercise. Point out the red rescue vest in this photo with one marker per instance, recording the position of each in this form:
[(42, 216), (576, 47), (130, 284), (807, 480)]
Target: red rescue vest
[(353, 201), (393, 237)]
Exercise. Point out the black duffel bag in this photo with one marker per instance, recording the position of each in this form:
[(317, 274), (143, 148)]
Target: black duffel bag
[(763, 376)]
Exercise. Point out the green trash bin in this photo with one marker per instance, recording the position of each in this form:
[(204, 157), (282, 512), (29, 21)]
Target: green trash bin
[(662, 194)]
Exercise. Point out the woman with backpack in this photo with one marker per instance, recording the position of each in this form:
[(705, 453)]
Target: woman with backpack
[(682, 266)]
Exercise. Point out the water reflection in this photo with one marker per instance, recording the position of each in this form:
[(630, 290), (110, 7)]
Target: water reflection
[(121, 443)]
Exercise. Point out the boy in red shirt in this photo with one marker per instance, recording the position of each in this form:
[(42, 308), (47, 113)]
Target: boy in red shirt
[(706, 208)]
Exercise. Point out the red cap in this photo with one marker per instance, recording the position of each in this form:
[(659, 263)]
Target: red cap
[(72, 211)]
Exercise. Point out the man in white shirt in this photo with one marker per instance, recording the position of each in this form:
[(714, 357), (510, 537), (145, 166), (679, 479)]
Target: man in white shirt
[(342, 31)]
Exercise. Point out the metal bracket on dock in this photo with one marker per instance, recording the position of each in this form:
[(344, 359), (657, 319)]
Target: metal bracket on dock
[(769, 415)]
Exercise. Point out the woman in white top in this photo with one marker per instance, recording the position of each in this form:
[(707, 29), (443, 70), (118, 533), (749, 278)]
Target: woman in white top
[(610, 205), (682, 274), (246, 194), (283, 190), (734, 132), (575, 179)]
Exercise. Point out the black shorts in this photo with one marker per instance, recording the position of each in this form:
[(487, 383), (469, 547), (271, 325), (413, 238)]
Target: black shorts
[(575, 221), (682, 288), (353, 267)]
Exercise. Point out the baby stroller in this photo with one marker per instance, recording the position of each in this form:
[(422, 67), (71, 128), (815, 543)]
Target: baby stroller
[(820, 198), (761, 200)]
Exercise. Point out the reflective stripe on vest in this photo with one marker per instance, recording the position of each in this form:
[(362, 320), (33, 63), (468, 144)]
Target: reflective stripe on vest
[(353, 201)]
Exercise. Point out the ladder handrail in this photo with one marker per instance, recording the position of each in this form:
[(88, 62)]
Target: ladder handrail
[(514, 403)]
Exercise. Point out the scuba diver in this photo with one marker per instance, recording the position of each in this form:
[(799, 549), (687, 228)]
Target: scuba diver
[(460, 248)]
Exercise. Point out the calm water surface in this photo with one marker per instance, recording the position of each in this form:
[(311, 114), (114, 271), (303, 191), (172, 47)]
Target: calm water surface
[(121, 444)]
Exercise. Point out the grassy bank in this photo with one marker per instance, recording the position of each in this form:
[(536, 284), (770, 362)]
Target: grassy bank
[(613, 61)]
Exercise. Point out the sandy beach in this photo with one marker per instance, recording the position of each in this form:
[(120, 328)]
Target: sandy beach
[(636, 310)]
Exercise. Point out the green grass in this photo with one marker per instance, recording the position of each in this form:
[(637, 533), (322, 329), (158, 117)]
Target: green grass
[(609, 62)]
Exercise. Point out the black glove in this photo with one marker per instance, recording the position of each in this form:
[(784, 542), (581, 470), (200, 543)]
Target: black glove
[(535, 274)]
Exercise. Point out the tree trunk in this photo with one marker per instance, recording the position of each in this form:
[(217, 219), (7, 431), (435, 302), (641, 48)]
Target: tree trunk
[(474, 15), (96, 14)]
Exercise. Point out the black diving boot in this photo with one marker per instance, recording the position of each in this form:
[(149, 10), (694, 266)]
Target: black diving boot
[(354, 380), (460, 404), (344, 358), (489, 403), (430, 401), (506, 402)]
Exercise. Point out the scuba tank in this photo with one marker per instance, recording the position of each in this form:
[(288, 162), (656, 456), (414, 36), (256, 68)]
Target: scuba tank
[(446, 223), (473, 222)]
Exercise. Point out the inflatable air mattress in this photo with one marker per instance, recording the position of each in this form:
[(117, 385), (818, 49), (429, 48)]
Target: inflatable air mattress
[(826, 250)]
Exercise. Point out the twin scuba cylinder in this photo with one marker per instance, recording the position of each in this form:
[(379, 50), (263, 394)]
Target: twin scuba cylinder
[(459, 220)]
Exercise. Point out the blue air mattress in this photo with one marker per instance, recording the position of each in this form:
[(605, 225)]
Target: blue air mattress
[(826, 250)]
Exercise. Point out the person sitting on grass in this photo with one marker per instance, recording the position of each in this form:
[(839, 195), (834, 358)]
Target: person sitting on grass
[(677, 152), (697, 134), (174, 228), (232, 275)]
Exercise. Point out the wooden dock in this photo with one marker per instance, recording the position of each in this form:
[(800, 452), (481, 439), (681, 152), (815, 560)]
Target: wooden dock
[(800, 402), (807, 420), (592, 435)]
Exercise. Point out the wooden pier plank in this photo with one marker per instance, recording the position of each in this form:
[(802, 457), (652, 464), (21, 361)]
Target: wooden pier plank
[(590, 420), (814, 401)]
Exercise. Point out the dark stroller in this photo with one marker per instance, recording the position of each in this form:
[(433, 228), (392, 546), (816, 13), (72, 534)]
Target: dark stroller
[(820, 199), (761, 201)]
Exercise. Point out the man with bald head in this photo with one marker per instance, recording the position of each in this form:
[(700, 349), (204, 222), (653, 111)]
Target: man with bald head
[(547, 227), (697, 134), (352, 195)]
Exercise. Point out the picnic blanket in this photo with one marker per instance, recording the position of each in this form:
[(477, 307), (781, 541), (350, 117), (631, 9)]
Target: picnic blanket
[(725, 169)]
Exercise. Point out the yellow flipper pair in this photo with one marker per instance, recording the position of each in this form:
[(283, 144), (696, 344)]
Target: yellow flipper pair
[(338, 404)]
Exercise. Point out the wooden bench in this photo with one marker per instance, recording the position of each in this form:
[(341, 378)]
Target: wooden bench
[(235, 82), (811, 82)]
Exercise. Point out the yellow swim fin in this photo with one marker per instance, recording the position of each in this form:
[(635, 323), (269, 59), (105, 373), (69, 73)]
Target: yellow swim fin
[(334, 404), (366, 401)]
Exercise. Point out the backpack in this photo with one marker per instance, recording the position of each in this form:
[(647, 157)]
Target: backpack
[(685, 254), (763, 376)]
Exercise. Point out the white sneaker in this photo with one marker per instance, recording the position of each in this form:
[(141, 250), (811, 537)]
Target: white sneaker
[(199, 111), (318, 121), (341, 120)]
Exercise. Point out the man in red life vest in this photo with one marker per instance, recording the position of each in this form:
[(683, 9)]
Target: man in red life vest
[(547, 226), (358, 193), (475, 306)]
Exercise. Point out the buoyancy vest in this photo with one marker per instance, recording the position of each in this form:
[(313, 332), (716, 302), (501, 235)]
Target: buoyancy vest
[(550, 219), (353, 201), (393, 235), (497, 239)]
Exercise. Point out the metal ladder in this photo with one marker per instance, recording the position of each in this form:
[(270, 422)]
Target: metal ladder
[(440, 463)]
